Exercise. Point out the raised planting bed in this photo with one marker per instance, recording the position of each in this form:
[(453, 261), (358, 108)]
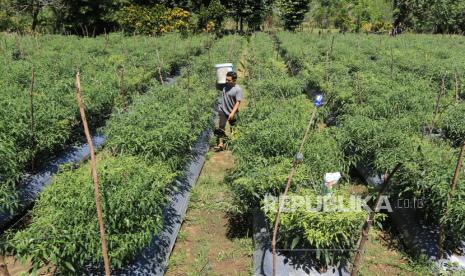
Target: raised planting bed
[(148, 147), (265, 145), (385, 93), (113, 70)]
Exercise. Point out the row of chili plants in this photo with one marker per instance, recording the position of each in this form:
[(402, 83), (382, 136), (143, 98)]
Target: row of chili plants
[(147, 148), (114, 69), (265, 144), (394, 101)]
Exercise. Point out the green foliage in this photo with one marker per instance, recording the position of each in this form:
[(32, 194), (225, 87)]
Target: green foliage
[(147, 148), (162, 124), (431, 16), (354, 16), (214, 13), (453, 124), (64, 228), (382, 96), (325, 231), (252, 12), (292, 13), (153, 20), (55, 60), (264, 145)]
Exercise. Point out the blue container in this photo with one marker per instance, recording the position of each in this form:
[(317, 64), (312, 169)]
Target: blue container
[(318, 100)]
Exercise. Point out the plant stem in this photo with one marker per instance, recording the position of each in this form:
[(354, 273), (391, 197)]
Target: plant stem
[(457, 88), (436, 109), (106, 40), (159, 68), (121, 88), (453, 187), (31, 113), (286, 190), (392, 64), (94, 176), (369, 221)]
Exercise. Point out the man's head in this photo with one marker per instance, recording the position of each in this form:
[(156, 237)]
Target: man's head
[(231, 78)]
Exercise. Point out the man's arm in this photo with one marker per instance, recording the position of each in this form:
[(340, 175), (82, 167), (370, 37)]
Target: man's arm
[(235, 108)]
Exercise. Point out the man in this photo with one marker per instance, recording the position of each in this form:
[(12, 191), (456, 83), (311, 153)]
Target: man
[(229, 107)]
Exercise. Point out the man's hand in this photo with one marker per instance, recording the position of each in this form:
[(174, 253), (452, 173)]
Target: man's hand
[(231, 117)]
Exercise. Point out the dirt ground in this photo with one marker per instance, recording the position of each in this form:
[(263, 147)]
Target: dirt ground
[(203, 246)]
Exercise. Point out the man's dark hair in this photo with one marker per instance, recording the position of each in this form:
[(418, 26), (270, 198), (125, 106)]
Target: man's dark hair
[(232, 74)]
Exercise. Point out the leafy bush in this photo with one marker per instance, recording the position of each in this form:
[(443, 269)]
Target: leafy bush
[(147, 148), (264, 146), (162, 124), (210, 18), (157, 19), (292, 13), (384, 96), (332, 232), (453, 124), (55, 60), (64, 230)]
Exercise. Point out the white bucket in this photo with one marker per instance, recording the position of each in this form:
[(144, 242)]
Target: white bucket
[(221, 70)]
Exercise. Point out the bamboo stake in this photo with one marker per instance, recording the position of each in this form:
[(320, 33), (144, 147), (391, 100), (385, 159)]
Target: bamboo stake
[(159, 67), (121, 88), (359, 89), (94, 176), (328, 59), (286, 190), (457, 88), (392, 64), (449, 198), (106, 40), (31, 113), (436, 110), (3, 267), (369, 222)]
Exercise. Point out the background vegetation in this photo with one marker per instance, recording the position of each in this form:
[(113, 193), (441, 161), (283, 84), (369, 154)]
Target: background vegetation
[(157, 17)]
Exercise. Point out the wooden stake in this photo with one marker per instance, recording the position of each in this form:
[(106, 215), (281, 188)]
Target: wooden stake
[(328, 59), (392, 64), (106, 40), (93, 161), (3, 267), (121, 88), (286, 190), (453, 187), (31, 113), (369, 222), (159, 68), (457, 88), (438, 100), (359, 89)]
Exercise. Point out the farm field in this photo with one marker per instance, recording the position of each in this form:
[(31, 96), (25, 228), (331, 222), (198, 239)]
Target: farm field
[(113, 68), (387, 102)]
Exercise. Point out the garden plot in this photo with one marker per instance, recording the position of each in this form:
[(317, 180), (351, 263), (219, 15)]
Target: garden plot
[(138, 145), (265, 145), (395, 101), (40, 114)]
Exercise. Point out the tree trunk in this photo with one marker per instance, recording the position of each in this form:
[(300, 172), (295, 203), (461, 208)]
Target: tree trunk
[(35, 15)]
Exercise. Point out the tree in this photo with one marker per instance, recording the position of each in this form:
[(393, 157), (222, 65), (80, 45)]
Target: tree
[(292, 12), (214, 13), (252, 12), (30, 9), (436, 16)]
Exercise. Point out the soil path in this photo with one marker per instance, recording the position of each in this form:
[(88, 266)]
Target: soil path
[(205, 243)]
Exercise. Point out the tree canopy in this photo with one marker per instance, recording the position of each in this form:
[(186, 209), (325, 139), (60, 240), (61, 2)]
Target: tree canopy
[(155, 17)]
